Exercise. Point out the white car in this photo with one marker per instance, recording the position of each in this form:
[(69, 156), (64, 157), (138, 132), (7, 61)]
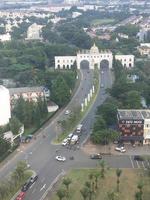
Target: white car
[(70, 136), (102, 85), (60, 158), (67, 112), (102, 72), (65, 142), (120, 149)]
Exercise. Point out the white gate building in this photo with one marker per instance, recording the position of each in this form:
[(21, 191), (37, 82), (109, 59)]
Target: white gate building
[(91, 58)]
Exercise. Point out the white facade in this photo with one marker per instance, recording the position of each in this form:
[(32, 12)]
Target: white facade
[(5, 37), (5, 113), (92, 57), (126, 60), (34, 32)]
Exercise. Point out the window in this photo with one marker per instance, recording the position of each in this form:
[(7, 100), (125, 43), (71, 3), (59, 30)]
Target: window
[(124, 60), (58, 66), (130, 65), (58, 61)]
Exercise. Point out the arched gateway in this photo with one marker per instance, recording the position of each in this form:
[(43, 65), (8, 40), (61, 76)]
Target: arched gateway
[(92, 58)]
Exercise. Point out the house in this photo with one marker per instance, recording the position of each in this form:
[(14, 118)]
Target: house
[(28, 93), (34, 32), (144, 49)]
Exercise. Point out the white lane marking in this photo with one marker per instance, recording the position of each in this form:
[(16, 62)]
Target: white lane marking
[(43, 187), (34, 190), (137, 164), (143, 165), (132, 162), (32, 185)]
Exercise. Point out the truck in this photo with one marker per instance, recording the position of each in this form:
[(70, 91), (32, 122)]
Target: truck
[(74, 139), (79, 128)]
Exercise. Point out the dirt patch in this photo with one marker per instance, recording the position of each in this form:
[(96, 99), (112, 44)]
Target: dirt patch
[(90, 148)]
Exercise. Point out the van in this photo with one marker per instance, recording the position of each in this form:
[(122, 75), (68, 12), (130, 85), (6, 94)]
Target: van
[(79, 128)]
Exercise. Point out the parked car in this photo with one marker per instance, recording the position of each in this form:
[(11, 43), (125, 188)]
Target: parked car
[(21, 196), (27, 185), (120, 149), (67, 112), (33, 179), (102, 85), (138, 158), (60, 158), (70, 136), (95, 156), (65, 142)]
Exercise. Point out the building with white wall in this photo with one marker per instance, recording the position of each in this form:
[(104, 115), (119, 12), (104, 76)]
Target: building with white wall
[(126, 60), (34, 32), (5, 113), (5, 37), (92, 58)]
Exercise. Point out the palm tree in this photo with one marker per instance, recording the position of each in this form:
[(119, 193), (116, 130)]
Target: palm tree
[(85, 192), (67, 182), (140, 187), (96, 176), (61, 193), (102, 165), (118, 173), (111, 196)]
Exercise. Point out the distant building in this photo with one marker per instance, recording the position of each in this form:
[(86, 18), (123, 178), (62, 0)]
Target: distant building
[(122, 35), (28, 93), (144, 49), (5, 113), (34, 32), (5, 37), (126, 60), (134, 125)]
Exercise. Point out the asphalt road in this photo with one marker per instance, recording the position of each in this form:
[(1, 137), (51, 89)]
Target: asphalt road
[(40, 153)]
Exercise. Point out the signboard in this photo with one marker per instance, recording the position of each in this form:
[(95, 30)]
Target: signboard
[(130, 121)]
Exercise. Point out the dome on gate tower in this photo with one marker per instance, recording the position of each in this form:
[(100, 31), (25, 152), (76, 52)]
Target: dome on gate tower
[(94, 49)]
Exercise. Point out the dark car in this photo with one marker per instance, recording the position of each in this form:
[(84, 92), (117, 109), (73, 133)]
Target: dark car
[(138, 158), (95, 156), (27, 185)]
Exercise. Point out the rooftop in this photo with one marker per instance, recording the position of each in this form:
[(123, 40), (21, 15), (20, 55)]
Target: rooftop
[(25, 90), (134, 114)]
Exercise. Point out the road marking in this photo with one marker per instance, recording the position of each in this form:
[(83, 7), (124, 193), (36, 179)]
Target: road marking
[(132, 162), (32, 185), (42, 188), (143, 165), (137, 164)]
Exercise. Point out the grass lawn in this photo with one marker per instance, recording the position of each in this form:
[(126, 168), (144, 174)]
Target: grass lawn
[(97, 22), (128, 184)]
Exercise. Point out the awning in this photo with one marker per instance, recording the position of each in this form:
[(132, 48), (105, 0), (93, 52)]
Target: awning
[(131, 138)]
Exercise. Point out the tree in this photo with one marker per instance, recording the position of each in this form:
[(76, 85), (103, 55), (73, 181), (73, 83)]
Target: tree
[(67, 182), (99, 124), (60, 91), (61, 193), (15, 125), (139, 194), (118, 174), (85, 192), (110, 195), (4, 147), (96, 176), (102, 165), (133, 96)]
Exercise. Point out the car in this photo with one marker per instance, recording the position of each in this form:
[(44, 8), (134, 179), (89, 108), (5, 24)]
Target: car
[(60, 158), (70, 136), (102, 85), (65, 142), (25, 187), (21, 196), (33, 179), (67, 112), (138, 158), (96, 156), (102, 72), (120, 149)]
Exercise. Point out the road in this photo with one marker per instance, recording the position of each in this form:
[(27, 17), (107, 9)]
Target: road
[(40, 153)]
